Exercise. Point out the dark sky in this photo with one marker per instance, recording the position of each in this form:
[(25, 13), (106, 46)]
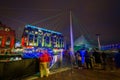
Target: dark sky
[(89, 17)]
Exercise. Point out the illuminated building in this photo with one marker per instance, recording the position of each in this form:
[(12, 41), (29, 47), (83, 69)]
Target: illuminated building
[(40, 37), (7, 37), (35, 38)]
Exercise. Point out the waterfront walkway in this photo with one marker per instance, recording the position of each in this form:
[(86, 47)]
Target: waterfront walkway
[(78, 74), (53, 72)]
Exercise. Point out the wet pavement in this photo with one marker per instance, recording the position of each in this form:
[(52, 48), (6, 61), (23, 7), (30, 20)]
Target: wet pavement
[(79, 74)]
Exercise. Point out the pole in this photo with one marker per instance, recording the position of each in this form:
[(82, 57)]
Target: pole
[(71, 34), (72, 44), (98, 39)]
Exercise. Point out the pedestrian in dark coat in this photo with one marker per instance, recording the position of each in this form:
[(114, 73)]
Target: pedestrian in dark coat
[(88, 60), (117, 59), (104, 56)]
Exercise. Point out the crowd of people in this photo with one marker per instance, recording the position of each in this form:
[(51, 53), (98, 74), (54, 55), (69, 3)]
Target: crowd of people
[(84, 60), (97, 60)]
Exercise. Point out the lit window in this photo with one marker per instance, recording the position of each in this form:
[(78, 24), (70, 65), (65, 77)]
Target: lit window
[(36, 32), (7, 29), (26, 31), (0, 40), (33, 32)]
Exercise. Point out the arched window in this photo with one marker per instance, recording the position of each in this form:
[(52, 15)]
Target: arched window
[(0, 40), (8, 42), (7, 29)]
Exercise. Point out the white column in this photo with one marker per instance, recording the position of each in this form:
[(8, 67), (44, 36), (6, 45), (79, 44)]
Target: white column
[(71, 35)]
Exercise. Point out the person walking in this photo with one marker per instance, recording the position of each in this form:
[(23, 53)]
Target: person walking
[(79, 60), (110, 61), (104, 56), (44, 61), (117, 59), (88, 60), (97, 59)]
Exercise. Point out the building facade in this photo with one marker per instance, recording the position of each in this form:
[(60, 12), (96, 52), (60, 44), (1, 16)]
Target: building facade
[(7, 37), (40, 37)]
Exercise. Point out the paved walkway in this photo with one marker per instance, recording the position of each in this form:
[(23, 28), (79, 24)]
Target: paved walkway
[(79, 74), (36, 76)]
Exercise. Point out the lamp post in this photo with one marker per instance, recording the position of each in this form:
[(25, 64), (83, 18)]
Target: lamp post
[(71, 34), (72, 44), (98, 39)]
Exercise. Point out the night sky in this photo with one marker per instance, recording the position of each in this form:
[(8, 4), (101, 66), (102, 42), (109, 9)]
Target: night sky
[(89, 17)]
